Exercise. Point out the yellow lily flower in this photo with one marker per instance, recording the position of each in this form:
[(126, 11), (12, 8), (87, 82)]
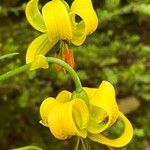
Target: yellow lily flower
[(57, 22), (66, 117), (104, 113)]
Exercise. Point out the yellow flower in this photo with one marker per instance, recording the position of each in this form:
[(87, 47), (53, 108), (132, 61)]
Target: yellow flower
[(104, 113), (58, 22), (66, 117)]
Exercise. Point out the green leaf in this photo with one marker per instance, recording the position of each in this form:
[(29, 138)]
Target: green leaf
[(8, 55)]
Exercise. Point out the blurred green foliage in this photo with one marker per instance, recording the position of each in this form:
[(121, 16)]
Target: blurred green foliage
[(119, 51)]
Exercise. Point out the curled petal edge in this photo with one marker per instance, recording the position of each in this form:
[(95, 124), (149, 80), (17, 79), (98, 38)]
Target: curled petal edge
[(88, 23), (36, 51), (57, 21), (104, 103), (34, 16), (121, 141), (69, 119)]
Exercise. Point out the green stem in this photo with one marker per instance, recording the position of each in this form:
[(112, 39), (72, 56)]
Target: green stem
[(83, 144), (28, 148), (77, 145), (71, 71), (14, 72), (26, 67)]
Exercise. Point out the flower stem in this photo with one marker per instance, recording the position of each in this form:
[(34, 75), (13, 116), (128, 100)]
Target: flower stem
[(71, 71), (26, 67), (28, 148), (83, 144), (14, 72), (77, 145)]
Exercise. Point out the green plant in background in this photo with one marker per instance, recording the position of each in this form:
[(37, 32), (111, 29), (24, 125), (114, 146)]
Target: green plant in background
[(117, 52), (82, 113)]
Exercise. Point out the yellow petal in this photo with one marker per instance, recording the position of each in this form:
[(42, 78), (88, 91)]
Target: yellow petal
[(97, 113), (55, 123), (90, 92), (34, 16), (40, 61), (97, 121), (69, 119), (64, 96), (104, 100), (40, 46), (79, 35), (57, 20), (124, 139), (45, 108), (87, 25), (66, 5), (80, 113)]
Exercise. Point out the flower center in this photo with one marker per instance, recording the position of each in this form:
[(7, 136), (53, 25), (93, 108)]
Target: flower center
[(65, 53)]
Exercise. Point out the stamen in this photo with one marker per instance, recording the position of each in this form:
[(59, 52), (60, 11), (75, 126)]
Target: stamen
[(69, 57), (57, 67), (109, 148)]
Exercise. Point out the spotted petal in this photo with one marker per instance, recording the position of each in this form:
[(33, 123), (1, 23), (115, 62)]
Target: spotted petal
[(34, 16), (89, 22), (118, 142)]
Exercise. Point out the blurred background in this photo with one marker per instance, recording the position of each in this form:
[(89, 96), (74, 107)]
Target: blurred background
[(119, 51)]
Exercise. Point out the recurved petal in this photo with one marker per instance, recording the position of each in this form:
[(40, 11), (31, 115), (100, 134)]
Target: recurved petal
[(80, 113), (105, 102), (79, 116), (97, 114), (40, 46), (57, 20), (79, 35), (89, 21), (121, 141), (34, 16), (40, 61), (90, 92), (64, 96), (69, 119), (45, 108), (55, 122)]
